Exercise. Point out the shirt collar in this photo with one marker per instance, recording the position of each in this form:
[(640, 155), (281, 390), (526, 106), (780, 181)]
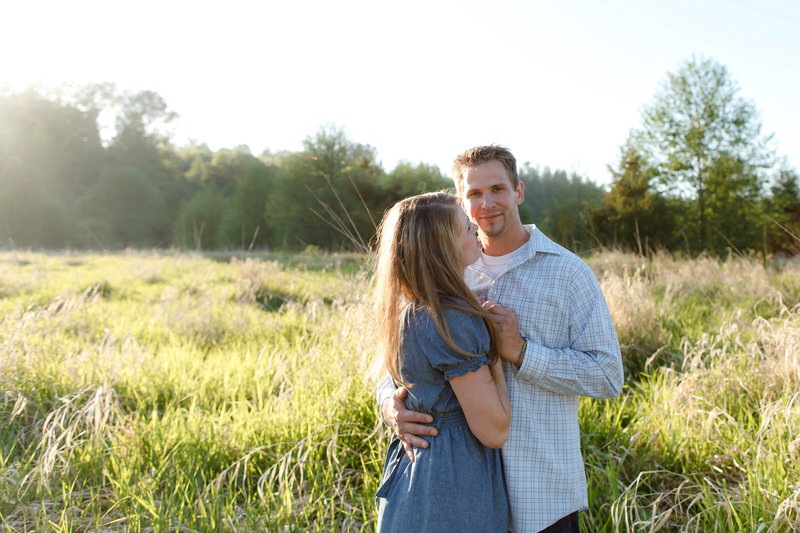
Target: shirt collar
[(538, 242)]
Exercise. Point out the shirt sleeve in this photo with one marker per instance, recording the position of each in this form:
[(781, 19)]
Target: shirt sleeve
[(468, 333), (591, 363), (384, 390)]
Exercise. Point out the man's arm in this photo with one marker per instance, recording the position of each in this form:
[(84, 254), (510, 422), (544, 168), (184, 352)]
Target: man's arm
[(409, 426), (591, 365)]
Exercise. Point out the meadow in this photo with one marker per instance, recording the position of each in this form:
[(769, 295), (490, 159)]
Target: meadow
[(175, 391)]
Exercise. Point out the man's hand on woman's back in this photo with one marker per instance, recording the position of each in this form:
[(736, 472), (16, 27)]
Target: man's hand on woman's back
[(409, 426)]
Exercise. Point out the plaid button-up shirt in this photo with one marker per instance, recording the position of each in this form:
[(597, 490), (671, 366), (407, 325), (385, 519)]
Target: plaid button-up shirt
[(572, 351)]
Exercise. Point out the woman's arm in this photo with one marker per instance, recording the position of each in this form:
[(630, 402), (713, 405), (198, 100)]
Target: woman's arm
[(485, 402)]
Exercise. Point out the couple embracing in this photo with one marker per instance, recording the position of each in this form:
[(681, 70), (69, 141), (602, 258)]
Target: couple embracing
[(489, 341)]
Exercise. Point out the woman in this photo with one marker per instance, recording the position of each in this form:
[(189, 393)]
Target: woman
[(438, 342)]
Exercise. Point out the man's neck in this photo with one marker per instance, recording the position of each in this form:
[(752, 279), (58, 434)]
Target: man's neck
[(506, 243)]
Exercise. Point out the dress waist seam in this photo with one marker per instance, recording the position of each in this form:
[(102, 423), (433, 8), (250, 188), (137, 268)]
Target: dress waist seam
[(449, 419)]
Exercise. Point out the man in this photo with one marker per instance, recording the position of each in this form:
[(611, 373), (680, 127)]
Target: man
[(557, 339)]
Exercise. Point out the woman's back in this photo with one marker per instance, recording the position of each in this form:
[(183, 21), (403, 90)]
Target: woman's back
[(457, 483)]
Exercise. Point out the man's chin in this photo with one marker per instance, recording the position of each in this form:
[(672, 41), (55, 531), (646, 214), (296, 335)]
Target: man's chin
[(491, 231)]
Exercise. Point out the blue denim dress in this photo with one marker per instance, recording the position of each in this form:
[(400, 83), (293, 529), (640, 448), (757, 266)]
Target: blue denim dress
[(457, 483)]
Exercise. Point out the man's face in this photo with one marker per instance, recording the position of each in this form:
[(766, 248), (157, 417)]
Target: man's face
[(490, 198)]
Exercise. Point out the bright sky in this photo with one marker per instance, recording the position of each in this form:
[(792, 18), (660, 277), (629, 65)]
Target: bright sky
[(560, 82)]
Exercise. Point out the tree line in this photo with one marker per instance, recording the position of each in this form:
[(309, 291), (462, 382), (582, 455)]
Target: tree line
[(695, 176)]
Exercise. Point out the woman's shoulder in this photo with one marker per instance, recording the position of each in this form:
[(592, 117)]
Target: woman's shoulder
[(457, 313), (458, 309)]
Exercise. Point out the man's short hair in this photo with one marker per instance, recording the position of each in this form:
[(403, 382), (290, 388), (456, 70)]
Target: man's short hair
[(483, 154)]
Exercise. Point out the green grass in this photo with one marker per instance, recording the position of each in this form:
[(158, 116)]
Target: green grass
[(148, 391)]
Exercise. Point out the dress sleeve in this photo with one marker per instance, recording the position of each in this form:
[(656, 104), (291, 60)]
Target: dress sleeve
[(469, 333)]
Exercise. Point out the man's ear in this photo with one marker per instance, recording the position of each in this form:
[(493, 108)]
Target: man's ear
[(520, 192)]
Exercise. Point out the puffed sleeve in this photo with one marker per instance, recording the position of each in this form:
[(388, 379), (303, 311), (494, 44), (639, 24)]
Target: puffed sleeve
[(469, 333)]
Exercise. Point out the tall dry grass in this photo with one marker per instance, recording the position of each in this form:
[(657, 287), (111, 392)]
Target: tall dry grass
[(175, 392), (710, 424)]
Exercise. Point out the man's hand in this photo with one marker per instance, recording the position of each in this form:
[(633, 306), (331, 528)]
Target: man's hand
[(408, 425), (506, 321)]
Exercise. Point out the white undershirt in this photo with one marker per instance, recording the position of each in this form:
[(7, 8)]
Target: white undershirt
[(496, 264)]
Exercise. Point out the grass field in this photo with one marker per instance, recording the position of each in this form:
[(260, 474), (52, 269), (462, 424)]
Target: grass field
[(147, 391)]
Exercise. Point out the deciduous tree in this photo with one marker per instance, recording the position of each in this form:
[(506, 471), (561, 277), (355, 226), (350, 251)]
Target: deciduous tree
[(50, 153), (707, 145), (327, 195)]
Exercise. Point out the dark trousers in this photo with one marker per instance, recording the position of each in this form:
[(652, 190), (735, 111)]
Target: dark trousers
[(568, 524)]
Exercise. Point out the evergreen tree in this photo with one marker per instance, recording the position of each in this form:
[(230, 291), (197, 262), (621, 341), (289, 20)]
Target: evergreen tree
[(559, 204), (633, 215), (783, 212)]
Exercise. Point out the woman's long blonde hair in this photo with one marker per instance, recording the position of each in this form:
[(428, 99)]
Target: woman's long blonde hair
[(419, 264)]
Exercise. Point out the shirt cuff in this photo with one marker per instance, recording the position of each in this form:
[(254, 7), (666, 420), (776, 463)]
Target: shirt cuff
[(534, 364), (383, 392)]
